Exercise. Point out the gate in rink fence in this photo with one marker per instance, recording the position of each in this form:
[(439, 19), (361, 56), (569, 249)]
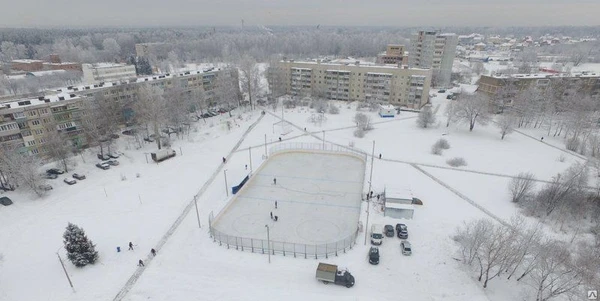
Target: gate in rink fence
[(256, 245)]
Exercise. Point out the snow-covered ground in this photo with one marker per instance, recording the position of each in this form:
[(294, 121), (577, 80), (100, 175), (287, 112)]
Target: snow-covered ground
[(190, 266)]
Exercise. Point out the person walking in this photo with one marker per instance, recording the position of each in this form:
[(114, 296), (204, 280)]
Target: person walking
[(246, 166), (141, 263), (279, 139), (130, 246), (275, 204), (379, 156), (271, 214), (274, 181), (225, 160), (276, 217)]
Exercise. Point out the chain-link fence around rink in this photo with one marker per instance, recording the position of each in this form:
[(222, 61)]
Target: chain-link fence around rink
[(256, 245), (263, 246), (321, 147)]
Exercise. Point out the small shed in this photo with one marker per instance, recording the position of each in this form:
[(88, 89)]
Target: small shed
[(387, 111), (398, 203)]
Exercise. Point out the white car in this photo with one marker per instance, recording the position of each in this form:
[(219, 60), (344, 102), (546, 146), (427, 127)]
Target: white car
[(69, 181), (406, 248)]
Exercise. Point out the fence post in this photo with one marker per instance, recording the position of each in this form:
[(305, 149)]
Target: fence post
[(336, 249), (220, 241), (284, 249), (326, 251), (294, 250), (304, 251), (262, 245), (252, 244), (236, 244), (316, 252), (227, 237), (242, 243)]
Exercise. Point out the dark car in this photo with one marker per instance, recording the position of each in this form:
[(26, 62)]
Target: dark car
[(45, 187), (112, 162), (402, 231), (449, 96), (442, 91), (79, 176), (374, 255), (50, 176), (69, 181), (147, 139), (388, 230), (55, 171), (6, 201), (103, 157), (103, 166), (114, 155)]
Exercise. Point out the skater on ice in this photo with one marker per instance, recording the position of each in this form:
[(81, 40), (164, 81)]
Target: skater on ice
[(130, 246), (275, 204), (140, 263), (153, 252), (271, 214)]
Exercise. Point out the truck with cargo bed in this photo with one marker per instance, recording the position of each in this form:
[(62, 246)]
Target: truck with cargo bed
[(329, 273), (162, 155)]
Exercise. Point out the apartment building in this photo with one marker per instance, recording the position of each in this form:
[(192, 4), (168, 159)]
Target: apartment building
[(435, 50), (24, 123), (354, 81), (105, 72), (394, 54)]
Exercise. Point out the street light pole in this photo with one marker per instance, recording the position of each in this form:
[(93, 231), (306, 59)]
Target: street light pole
[(268, 243), (323, 140), (226, 189), (250, 154), (265, 145), (196, 204), (369, 191)]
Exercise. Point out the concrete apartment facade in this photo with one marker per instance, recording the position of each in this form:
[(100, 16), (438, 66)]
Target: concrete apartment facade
[(431, 49), (394, 54), (24, 123), (355, 82), (105, 72)]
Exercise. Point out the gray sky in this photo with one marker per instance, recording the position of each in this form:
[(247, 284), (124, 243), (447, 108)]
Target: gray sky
[(114, 13)]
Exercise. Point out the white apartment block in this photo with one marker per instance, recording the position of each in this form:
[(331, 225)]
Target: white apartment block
[(431, 49), (106, 72), (339, 80)]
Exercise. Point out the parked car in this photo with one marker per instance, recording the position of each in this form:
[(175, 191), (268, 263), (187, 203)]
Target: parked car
[(374, 255), (376, 235), (402, 231), (50, 176), (128, 132), (205, 115), (79, 176), (103, 165), (442, 91), (112, 162), (406, 247), (388, 230), (55, 171), (45, 187), (5, 201), (149, 139), (213, 113), (69, 181), (114, 155), (103, 157)]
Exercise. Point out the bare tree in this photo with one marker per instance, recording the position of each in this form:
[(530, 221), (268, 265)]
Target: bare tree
[(521, 186), (249, 77), (556, 273), (100, 120), (471, 236), (29, 174), (58, 147), (506, 123), (150, 109), (227, 89), (363, 122), (472, 109), (426, 117), (449, 113)]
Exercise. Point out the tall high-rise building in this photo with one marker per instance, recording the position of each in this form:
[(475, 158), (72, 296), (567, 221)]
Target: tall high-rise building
[(434, 50)]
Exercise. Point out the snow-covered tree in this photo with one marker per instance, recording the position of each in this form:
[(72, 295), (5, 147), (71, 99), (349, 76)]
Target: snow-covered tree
[(249, 77), (80, 250), (150, 109), (506, 124), (426, 117), (472, 109)]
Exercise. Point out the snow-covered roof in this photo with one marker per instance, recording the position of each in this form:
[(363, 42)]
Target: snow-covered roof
[(19, 103), (398, 194), (27, 61), (107, 65), (387, 107)]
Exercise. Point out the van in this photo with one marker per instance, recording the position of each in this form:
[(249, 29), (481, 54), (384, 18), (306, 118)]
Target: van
[(376, 235)]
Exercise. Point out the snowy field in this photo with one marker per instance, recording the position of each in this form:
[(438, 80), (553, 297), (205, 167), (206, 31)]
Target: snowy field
[(318, 199), (190, 266)]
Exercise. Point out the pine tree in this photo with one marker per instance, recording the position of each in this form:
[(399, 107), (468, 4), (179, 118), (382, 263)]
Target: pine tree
[(80, 250)]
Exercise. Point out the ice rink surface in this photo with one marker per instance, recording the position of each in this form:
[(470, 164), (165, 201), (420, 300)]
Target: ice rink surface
[(318, 199)]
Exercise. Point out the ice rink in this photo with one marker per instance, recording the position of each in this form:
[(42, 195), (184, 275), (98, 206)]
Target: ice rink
[(318, 199)]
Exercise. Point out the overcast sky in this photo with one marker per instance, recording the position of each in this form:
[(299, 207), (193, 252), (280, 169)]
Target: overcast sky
[(114, 13)]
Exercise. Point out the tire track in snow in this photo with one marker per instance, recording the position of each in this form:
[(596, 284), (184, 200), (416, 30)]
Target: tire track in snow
[(138, 272)]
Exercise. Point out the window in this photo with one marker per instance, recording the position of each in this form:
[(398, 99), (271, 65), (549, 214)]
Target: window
[(35, 122), (31, 143)]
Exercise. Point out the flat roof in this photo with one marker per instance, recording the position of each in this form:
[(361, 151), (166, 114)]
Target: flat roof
[(27, 61), (399, 206), (400, 194), (36, 101)]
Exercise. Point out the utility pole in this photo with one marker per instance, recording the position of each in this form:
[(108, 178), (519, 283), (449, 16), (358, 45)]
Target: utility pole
[(369, 191), (65, 270), (226, 189), (265, 145), (323, 140), (268, 243), (250, 154), (196, 204)]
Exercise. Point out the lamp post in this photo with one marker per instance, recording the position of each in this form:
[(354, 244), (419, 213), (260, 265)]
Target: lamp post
[(268, 243), (226, 189), (64, 269), (196, 204), (369, 191), (323, 140)]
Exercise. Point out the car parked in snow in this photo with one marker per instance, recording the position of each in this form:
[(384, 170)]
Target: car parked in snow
[(388, 230), (406, 247), (50, 176), (103, 157), (114, 155), (79, 176), (70, 181), (55, 171), (45, 187), (374, 255), (112, 162), (5, 201), (402, 231), (102, 165)]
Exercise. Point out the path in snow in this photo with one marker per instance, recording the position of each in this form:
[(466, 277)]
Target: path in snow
[(138, 272)]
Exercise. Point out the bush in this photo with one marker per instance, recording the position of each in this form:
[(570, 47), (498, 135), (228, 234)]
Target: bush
[(457, 162), (573, 144), (359, 133), (442, 143), (333, 109), (436, 149)]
